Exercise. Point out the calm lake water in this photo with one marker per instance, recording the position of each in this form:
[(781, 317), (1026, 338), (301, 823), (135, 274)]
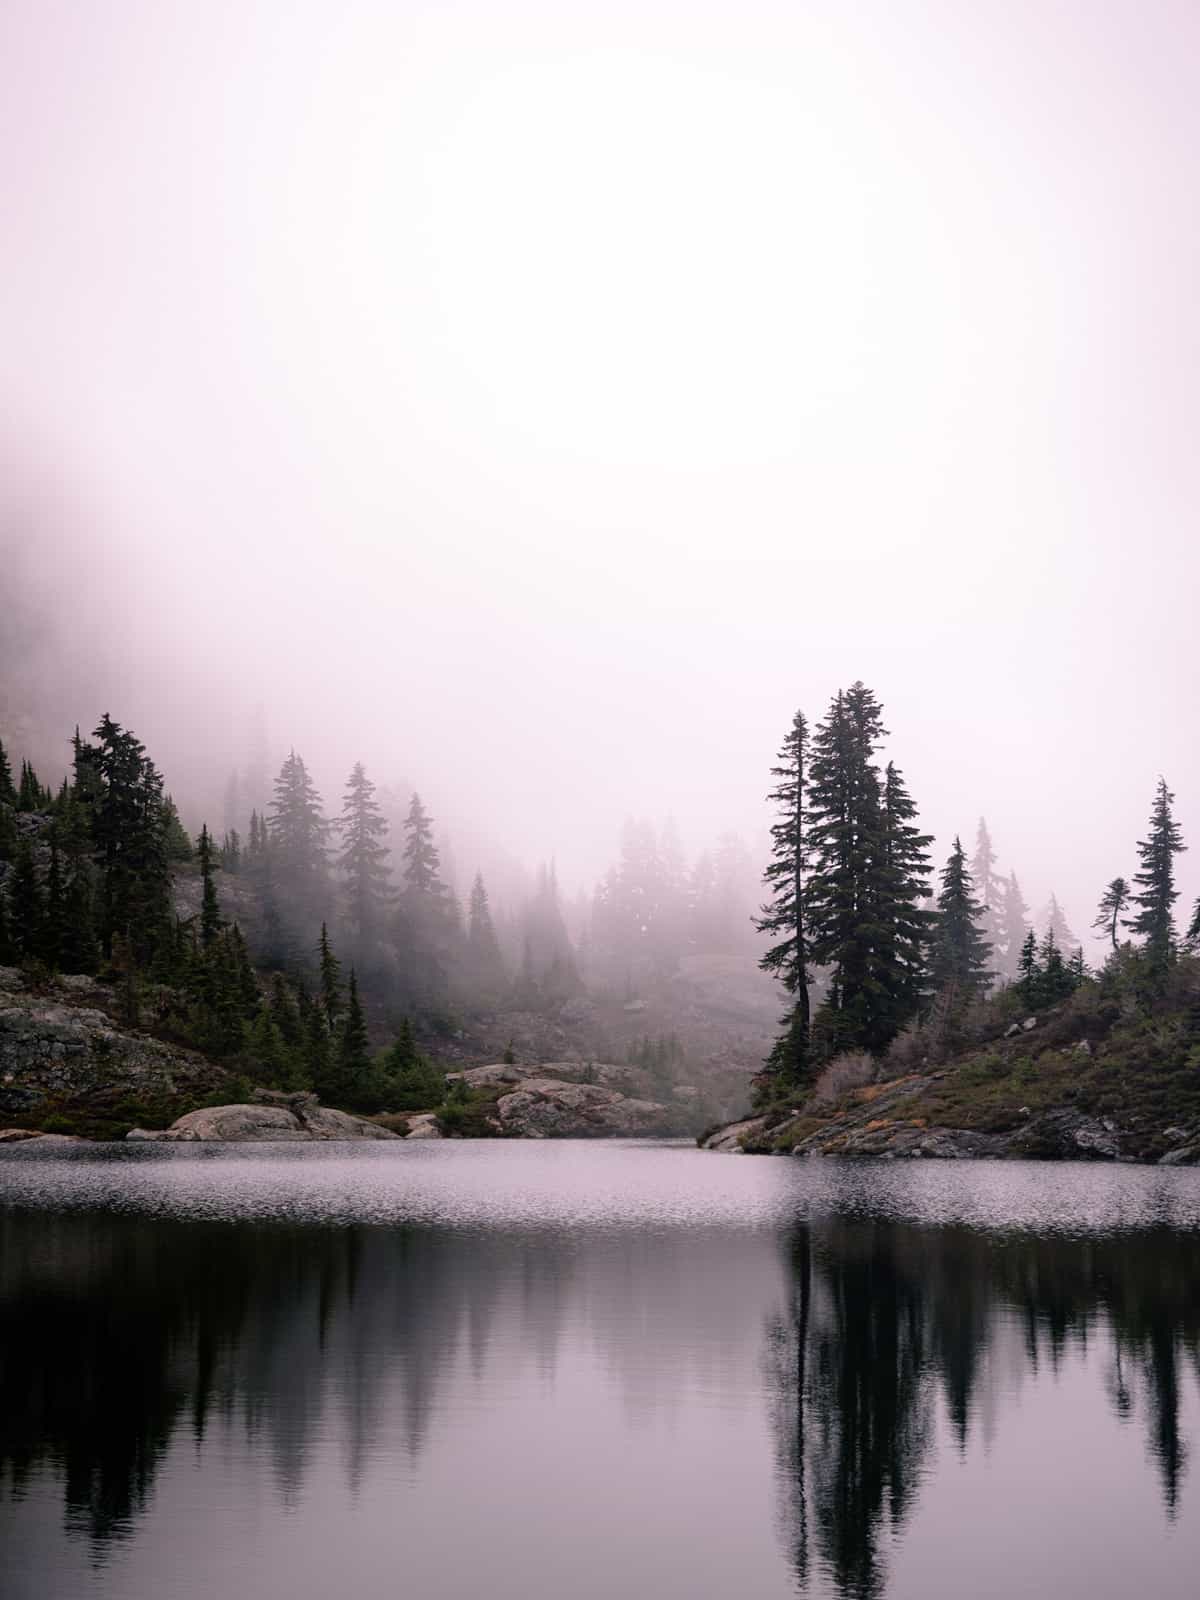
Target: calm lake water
[(593, 1370)]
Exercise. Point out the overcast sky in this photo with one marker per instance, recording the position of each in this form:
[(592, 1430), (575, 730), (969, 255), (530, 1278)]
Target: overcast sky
[(541, 401)]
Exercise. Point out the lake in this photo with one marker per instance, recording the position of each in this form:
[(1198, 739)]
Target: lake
[(577, 1370)]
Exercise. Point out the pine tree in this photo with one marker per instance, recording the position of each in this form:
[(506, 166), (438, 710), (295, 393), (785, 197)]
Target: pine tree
[(231, 851), (989, 890), (8, 793), (178, 845), (1053, 920), (1112, 907), (484, 960), (25, 897), (1156, 893), (330, 969), (8, 946), (363, 860), (285, 1013), (54, 929), (861, 904), (427, 923), (414, 1083), (30, 794), (210, 906), (786, 959), (422, 869), (1055, 981), (315, 1051), (353, 1086), (8, 832), (905, 927), (960, 953), (298, 833), (123, 790), (1014, 927), (1192, 937), (1028, 971)]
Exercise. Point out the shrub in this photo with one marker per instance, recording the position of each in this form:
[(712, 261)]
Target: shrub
[(853, 1070)]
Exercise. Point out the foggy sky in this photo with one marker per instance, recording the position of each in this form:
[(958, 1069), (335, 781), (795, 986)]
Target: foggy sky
[(542, 401)]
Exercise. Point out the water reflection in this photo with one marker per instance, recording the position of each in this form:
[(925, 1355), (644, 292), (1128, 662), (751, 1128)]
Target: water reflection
[(884, 1321), (712, 1386)]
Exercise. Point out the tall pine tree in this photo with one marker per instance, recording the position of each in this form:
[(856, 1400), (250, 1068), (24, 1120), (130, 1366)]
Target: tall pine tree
[(1156, 893), (782, 918), (960, 952), (363, 862)]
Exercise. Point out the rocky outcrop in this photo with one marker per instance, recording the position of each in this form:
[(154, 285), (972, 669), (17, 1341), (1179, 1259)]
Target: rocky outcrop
[(570, 1100), (547, 1108), (729, 1138), (61, 1048), (885, 1120), (293, 1119)]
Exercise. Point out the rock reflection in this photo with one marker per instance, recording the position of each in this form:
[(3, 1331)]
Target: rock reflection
[(885, 1320)]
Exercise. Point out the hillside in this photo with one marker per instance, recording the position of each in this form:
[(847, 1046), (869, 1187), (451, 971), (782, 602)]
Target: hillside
[(1096, 1077)]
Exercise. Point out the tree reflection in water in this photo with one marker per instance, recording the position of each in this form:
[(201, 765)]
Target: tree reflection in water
[(884, 1319)]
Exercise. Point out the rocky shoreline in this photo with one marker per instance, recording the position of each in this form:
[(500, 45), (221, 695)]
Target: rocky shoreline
[(885, 1121)]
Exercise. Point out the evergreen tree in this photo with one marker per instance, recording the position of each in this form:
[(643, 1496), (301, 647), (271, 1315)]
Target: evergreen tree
[(1112, 908), (210, 906), (960, 952), (8, 832), (484, 961), (285, 1013), (30, 794), (989, 890), (422, 869), (178, 845), (8, 945), (1028, 971), (8, 793), (862, 901), (298, 837), (905, 927), (25, 898), (330, 971), (54, 929), (1053, 920), (363, 860), (1192, 937), (271, 1061), (782, 918), (231, 851), (414, 1082), (428, 928), (1014, 925), (124, 790), (315, 1053), (1055, 980), (350, 1083), (1156, 893)]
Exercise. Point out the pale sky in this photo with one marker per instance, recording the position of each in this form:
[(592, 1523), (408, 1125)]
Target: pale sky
[(541, 401)]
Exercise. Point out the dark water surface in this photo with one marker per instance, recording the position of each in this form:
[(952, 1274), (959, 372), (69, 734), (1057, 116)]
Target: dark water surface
[(579, 1370)]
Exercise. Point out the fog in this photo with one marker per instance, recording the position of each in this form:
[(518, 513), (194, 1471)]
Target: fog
[(540, 402)]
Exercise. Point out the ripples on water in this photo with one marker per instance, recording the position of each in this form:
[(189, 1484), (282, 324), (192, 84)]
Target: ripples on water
[(592, 1370)]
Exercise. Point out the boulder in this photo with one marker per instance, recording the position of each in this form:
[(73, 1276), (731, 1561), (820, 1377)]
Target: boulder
[(730, 1138), (547, 1108), (424, 1126), (1187, 1156), (259, 1124)]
